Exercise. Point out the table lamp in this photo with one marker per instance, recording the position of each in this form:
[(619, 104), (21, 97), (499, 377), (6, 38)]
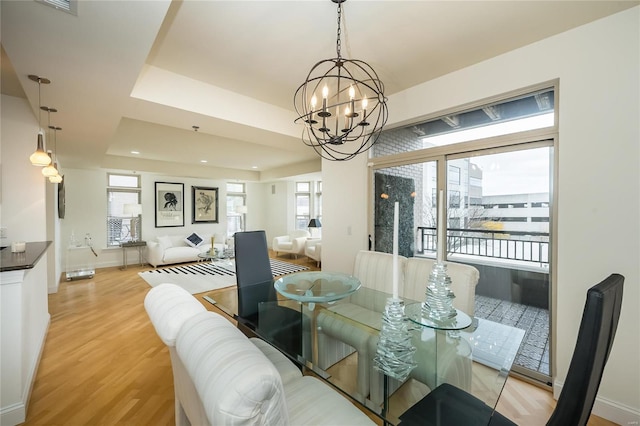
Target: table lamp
[(241, 210), (314, 223), (133, 210)]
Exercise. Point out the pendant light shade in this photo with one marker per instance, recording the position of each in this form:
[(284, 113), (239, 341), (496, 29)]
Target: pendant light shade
[(49, 170), (57, 178), (39, 157)]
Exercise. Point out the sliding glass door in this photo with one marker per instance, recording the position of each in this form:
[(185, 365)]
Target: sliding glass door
[(497, 213)]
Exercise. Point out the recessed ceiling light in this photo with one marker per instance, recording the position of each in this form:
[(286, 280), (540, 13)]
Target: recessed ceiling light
[(203, 161), (135, 152), (254, 167)]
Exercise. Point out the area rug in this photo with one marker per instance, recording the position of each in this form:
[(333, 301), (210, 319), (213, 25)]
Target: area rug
[(206, 276)]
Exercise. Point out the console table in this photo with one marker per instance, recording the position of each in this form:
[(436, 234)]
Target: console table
[(129, 244)]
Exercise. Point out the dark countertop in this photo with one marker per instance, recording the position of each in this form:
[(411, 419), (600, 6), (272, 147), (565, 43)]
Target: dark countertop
[(16, 261)]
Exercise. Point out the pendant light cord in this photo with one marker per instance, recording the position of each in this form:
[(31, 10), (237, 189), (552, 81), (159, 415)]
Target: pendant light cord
[(39, 105)]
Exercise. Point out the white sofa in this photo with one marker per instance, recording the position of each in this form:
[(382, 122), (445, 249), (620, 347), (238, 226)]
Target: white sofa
[(222, 377), (169, 249), (292, 244)]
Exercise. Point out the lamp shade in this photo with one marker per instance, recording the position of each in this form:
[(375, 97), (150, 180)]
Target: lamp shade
[(49, 170), (39, 157), (314, 223), (132, 209), (55, 179)]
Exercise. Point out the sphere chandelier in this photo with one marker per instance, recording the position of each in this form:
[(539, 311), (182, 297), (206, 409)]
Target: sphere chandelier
[(341, 104)]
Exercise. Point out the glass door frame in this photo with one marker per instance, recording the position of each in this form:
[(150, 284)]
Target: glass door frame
[(547, 137)]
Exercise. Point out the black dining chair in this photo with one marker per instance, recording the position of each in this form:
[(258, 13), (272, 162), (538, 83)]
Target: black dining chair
[(257, 307), (447, 405)]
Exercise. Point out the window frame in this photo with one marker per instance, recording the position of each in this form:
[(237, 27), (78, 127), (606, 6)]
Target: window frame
[(235, 220), (121, 221)]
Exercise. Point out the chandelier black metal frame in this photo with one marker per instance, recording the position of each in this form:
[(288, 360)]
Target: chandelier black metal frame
[(352, 111)]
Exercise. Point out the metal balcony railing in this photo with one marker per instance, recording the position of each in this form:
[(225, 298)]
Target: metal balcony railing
[(512, 245)]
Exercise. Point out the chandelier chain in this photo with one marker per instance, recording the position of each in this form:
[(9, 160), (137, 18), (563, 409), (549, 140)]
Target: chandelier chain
[(338, 41)]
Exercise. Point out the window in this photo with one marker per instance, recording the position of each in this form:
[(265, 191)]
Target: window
[(69, 6), (303, 204), (454, 199), (122, 190), (454, 175), (236, 208)]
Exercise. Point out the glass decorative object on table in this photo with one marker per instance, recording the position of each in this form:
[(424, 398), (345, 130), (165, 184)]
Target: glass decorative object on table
[(438, 305), (394, 354)]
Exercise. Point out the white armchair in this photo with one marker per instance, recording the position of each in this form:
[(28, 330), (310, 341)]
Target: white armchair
[(292, 243), (313, 250)]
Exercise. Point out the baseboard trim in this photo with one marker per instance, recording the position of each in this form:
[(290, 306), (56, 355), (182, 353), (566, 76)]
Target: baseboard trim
[(13, 414), (608, 409)]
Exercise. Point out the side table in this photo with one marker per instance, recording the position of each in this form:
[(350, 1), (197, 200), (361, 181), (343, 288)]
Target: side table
[(128, 244)]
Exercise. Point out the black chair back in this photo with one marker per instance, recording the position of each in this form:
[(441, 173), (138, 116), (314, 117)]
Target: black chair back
[(253, 272), (595, 338), (279, 325)]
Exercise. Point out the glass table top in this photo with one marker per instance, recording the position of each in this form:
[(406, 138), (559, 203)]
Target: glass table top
[(318, 287), (476, 359), (416, 314)]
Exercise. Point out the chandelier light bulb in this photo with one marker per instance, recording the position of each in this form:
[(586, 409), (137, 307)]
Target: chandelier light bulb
[(325, 92), (314, 101), (352, 93)]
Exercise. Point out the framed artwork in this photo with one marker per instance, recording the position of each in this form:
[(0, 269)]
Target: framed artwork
[(169, 204), (205, 204)]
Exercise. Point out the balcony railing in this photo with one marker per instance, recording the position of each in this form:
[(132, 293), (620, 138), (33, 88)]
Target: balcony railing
[(512, 245)]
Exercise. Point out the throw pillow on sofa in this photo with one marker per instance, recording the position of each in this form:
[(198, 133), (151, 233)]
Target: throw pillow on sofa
[(194, 240), (165, 242)]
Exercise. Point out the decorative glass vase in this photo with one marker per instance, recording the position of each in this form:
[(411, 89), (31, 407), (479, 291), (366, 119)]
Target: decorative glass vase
[(394, 354), (438, 305)]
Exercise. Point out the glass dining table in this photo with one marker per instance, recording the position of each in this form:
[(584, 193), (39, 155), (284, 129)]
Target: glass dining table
[(340, 323)]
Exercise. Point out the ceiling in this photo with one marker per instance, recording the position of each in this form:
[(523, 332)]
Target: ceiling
[(137, 75)]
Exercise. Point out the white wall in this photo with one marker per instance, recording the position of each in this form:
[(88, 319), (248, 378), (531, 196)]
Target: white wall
[(23, 186), (257, 217), (344, 212), (277, 209), (270, 207), (86, 196), (25, 315), (598, 184)]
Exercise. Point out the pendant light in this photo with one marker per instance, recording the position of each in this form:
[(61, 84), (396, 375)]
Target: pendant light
[(49, 170), (39, 157), (341, 105)]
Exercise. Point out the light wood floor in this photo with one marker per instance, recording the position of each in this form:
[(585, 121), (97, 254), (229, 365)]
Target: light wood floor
[(103, 363)]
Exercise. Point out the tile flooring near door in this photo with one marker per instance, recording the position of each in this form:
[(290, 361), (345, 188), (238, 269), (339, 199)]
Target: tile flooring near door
[(534, 351)]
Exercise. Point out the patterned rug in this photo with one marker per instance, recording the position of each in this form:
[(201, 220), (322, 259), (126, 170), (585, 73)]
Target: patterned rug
[(206, 276)]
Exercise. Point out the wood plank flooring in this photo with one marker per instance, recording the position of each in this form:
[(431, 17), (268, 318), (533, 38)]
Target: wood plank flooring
[(103, 363)]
